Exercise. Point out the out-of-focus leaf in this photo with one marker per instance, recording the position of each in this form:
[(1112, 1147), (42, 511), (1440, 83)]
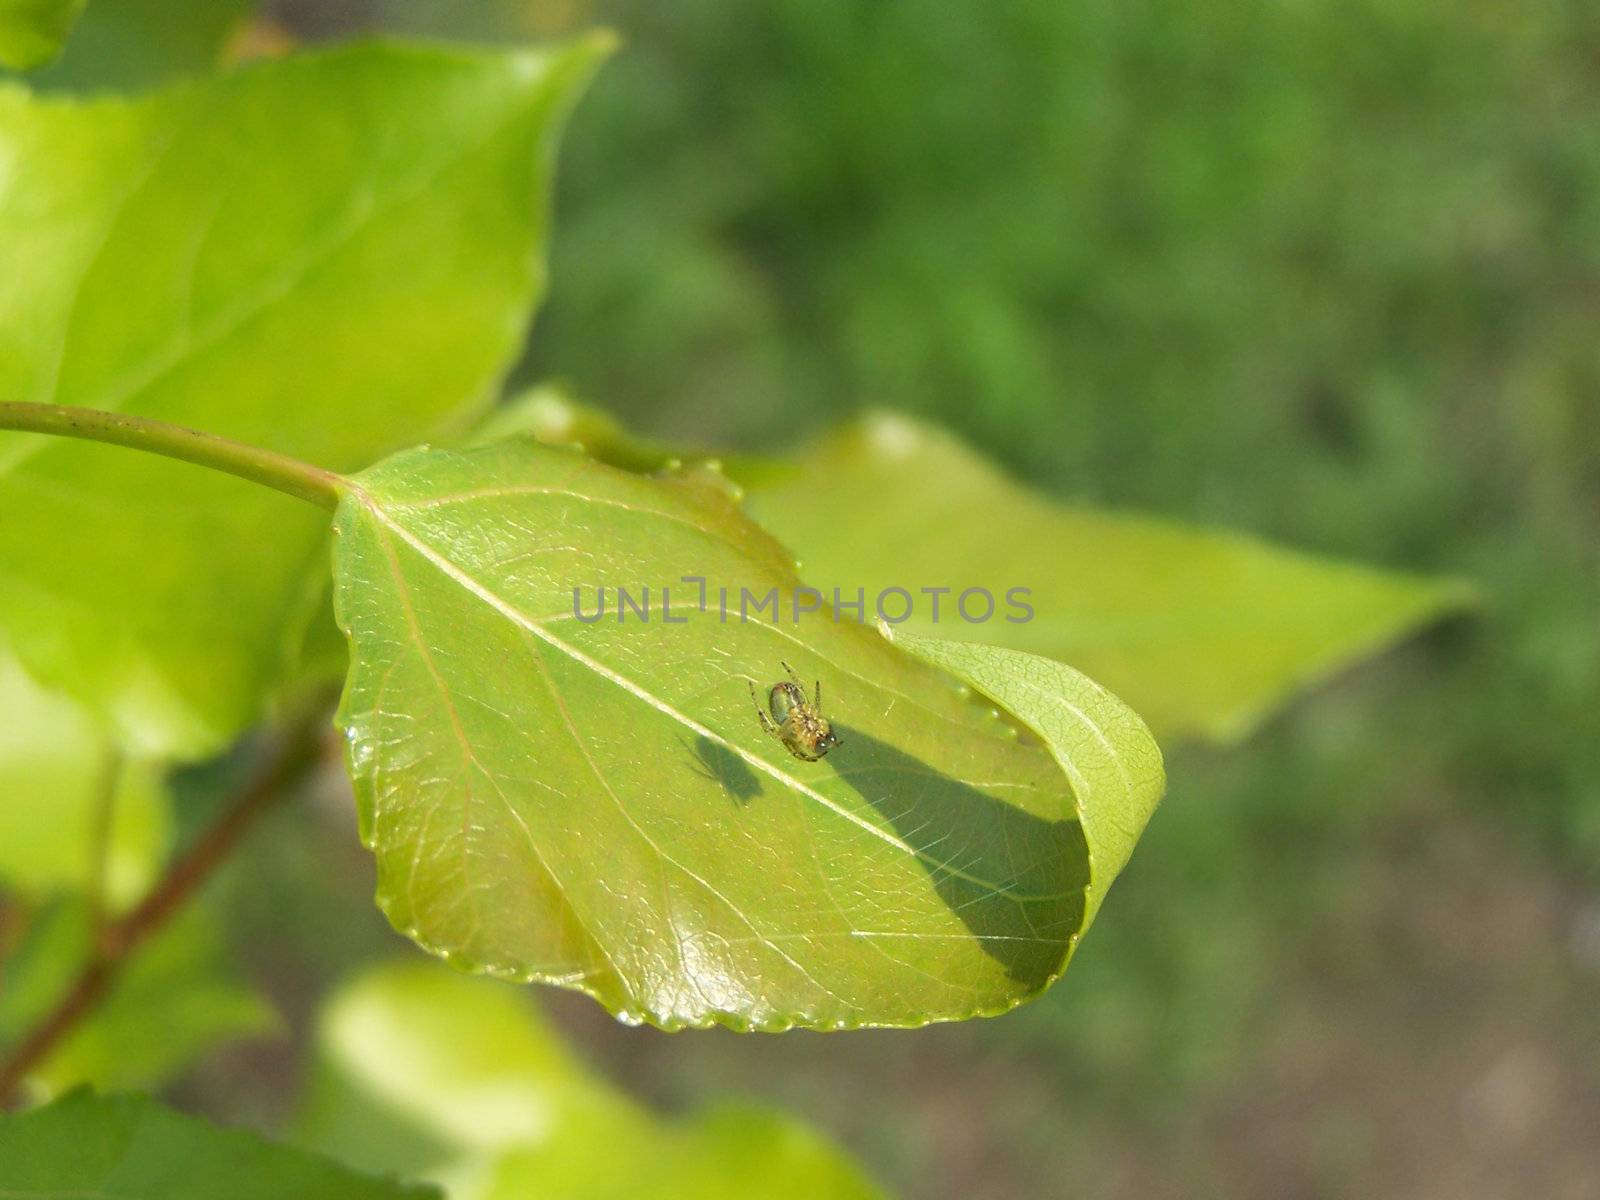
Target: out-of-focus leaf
[(131, 1148), (554, 418), (1201, 632), (466, 1068), (595, 803), (464, 1062), (331, 255), (32, 31), (55, 765), (177, 999), (322, 658), (726, 1154), (121, 45), (1105, 750)]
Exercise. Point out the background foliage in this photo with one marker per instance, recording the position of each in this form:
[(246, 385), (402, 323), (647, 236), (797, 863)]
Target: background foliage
[(1324, 272)]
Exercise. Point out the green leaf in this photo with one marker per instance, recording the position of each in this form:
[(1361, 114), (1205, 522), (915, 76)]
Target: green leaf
[(466, 1062), (130, 1148), (177, 999), (549, 414), (727, 1154), (55, 764), (1105, 750), (466, 1069), (120, 45), (33, 31), (597, 805), (1203, 633), (331, 256)]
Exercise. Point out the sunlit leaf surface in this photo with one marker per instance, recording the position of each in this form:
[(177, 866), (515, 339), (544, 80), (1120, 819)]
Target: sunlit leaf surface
[(596, 803), (130, 1148), (332, 256)]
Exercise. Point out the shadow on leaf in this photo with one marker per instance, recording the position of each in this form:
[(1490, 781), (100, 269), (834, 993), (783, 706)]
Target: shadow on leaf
[(1017, 881), (721, 765)]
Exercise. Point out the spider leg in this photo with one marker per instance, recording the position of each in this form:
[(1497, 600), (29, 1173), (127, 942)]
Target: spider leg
[(793, 676), (761, 713), (817, 704)]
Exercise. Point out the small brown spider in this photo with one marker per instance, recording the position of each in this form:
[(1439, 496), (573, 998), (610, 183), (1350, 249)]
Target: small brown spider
[(800, 726)]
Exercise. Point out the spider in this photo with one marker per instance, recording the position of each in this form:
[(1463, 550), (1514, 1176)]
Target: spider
[(800, 726)]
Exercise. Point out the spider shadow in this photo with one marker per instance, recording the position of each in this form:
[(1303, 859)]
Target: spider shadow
[(721, 765), (1017, 881)]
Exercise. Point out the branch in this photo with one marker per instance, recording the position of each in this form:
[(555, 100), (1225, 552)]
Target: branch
[(118, 939)]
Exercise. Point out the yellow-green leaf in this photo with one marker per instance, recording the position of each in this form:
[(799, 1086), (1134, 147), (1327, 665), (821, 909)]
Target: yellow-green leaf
[(32, 32), (56, 767), (413, 1056), (1200, 631), (332, 256), (596, 804), (1106, 751)]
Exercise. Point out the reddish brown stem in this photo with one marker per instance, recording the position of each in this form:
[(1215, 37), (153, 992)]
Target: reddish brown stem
[(120, 938)]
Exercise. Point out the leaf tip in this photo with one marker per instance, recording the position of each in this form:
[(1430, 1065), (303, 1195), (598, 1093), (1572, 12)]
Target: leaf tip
[(892, 434)]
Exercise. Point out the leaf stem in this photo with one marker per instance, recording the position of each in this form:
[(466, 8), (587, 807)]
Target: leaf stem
[(119, 938), (267, 467)]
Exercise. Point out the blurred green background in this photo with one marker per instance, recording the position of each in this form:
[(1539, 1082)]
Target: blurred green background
[(1328, 272)]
